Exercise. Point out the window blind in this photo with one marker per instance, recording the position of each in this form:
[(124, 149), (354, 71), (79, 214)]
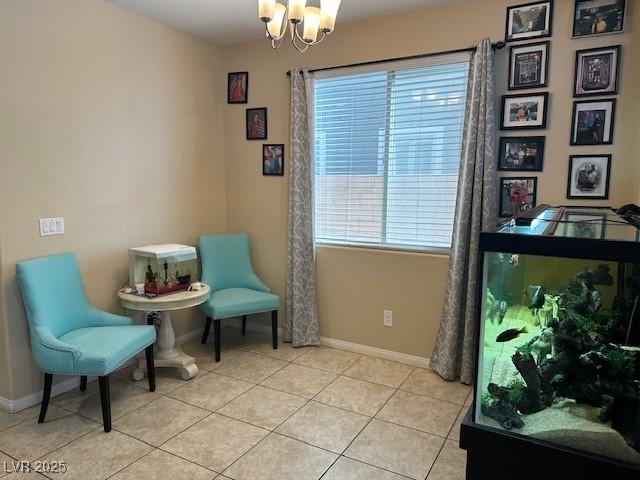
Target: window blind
[(387, 145)]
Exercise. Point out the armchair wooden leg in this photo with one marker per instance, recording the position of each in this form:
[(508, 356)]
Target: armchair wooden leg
[(207, 327), (105, 400), (244, 324), (46, 395), (151, 368), (216, 339), (274, 328), (83, 383)]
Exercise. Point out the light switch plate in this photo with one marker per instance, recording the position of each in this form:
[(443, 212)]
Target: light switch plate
[(51, 226), (388, 318)]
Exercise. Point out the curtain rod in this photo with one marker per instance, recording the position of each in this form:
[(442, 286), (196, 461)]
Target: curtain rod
[(495, 46)]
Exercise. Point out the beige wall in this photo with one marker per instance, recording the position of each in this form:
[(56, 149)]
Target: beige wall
[(355, 285), (113, 122)]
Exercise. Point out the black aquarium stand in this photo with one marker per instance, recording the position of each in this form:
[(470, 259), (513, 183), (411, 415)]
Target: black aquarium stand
[(494, 454)]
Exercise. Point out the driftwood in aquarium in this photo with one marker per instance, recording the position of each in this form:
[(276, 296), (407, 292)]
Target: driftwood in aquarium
[(537, 394), (501, 408)]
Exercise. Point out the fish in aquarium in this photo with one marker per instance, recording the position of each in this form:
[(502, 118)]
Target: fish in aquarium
[(511, 334)]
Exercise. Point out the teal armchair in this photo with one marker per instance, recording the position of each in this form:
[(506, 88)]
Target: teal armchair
[(69, 336), (236, 289)]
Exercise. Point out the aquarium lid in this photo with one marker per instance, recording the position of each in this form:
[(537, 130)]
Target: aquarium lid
[(167, 250)]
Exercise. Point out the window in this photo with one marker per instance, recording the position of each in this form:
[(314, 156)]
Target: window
[(387, 143)]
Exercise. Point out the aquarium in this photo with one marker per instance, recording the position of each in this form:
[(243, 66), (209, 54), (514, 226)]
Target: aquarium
[(160, 269), (559, 332)]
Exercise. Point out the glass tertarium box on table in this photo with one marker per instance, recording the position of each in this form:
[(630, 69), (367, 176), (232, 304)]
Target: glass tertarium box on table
[(162, 268)]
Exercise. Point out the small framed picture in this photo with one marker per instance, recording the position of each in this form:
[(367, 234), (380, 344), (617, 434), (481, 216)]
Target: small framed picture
[(598, 17), (530, 20), (238, 87), (524, 111), (589, 176), (521, 154), (257, 123), (597, 71), (517, 195), (273, 159), (528, 65), (584, 225), (592, 122)]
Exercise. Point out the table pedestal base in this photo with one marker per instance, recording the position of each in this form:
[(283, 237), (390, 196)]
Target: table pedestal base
[(166, 354)]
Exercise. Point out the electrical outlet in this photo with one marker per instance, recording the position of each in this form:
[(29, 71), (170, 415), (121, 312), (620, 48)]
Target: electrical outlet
[(388, 318), (51, 226)]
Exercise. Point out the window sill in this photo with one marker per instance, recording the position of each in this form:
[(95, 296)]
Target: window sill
[(443, 252)]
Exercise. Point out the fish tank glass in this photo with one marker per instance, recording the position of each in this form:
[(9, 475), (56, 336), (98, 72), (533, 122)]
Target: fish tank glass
[(559, 332), (163, 268)]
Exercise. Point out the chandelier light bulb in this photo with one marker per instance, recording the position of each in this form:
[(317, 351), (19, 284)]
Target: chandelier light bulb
[(274, 27), (296, 10), (311, 24), (266, 9), (328, 14)]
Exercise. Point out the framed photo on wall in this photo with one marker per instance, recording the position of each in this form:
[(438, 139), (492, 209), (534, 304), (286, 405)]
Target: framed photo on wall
[(529, 20), (517, 195), (528, 65), (237, 87), (273, 159), (589, 176), (597, 71), (524, 111), (598, 17), (521, 154), (257, 123), (592, 122)]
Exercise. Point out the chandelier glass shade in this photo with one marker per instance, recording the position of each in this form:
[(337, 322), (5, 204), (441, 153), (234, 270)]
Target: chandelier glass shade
[(307, 25)]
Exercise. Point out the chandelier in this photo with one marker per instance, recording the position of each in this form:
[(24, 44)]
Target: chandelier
[(316, 22)]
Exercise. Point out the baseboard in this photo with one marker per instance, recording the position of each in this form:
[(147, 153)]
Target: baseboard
[(13, 406), (412, 360)]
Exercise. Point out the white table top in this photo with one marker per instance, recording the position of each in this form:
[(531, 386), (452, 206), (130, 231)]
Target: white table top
[(163, 303)]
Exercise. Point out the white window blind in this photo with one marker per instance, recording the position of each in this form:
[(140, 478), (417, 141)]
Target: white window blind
[(387, 143)]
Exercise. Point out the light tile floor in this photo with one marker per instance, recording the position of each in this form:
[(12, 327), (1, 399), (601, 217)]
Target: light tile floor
[(259, 414)]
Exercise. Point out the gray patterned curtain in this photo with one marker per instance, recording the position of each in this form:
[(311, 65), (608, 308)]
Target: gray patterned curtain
[(454, 353), (301, 322)]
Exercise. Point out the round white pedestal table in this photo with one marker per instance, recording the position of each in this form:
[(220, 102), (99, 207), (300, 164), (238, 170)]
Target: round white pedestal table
[(166, 352)]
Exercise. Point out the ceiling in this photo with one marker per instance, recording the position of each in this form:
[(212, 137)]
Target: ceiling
[(230, 21)]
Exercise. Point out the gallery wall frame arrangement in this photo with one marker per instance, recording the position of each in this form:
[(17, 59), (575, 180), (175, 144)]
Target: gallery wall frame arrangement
[(528, 65), (237, 87), (517, 195), (592, 122), (597, 71), (524, 111), (256, 123), (598, 17), (528, 21), (588, 176), (273, 159), (521, 154)]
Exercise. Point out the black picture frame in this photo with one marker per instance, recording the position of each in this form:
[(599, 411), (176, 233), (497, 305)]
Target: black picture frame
[(573, 160), (530, 125), (540, 33), (501, 206), (614, 18), (256, 128), (584, 134), (528, 164), (232, 97), (543, 70), (267, 160), (578, 84)]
